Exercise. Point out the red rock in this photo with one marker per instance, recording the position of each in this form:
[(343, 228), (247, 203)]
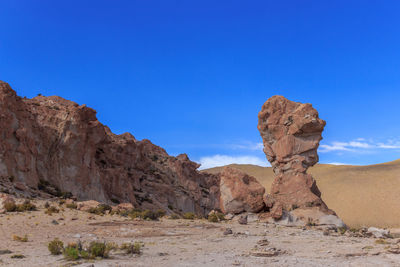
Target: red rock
[(240, 192), (291, 133), (60, 142)]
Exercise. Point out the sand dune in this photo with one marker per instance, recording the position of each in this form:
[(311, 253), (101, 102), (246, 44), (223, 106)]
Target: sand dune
[(360, 195)]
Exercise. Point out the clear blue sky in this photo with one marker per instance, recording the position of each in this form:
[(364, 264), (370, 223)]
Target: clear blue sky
[(191, 76)]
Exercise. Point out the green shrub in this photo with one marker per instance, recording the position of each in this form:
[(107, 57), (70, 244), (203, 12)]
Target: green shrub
[(10, 206), (71, 253), (213, 217), (98, 249), (189, 216), (56, 247)]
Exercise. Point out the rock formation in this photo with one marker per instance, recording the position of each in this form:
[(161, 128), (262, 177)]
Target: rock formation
[(291, 133), (240, 192), (59, 146)]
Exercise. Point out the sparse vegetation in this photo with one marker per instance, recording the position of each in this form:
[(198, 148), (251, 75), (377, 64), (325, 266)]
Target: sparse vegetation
[(100, 209), (310, 222), (26, 206), (342, 230), (98, 249), (189, 216), (17, 256), (71, 253), (56, 247), (146, 214), (72, 206), (20, 238), (381, 242), (174, 216), (10, 206), (216, 217), (76, 251), (132, 248), (50, 210)]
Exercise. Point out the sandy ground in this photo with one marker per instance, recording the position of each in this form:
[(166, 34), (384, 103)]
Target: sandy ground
[(186, 242)]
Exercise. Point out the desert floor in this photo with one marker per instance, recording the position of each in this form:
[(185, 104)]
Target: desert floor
[(187, 242)]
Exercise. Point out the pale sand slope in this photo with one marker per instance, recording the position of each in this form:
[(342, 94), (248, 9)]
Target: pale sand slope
[(360, 195)]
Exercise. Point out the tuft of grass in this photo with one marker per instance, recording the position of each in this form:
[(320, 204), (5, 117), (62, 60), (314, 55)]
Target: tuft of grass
[(174, 216), (98, 249), (20, 238), (132, 248), (26, 206), (310, 222), (56, 247), (100, 209), (17, 256), (10, 206), (216, 217), (146, 214), (189, 216), (342, 230), (50, 210), (72, 206), (381, 241), (71, 253)]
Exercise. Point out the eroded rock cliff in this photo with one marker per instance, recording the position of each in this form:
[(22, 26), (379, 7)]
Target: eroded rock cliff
[(50, 140)]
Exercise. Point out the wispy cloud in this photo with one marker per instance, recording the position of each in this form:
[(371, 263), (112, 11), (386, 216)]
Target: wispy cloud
[(222, 160), (247, 146), (359, 144)]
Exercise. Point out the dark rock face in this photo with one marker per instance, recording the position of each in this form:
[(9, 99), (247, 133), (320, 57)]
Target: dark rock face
[(62, 143), (291, 133)]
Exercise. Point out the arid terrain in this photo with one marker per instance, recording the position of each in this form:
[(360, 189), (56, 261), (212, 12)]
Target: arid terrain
[(182, 242), (360, 195)]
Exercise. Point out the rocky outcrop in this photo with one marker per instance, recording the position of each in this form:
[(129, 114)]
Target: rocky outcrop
[(58, 144), (291, 133), (240, 192)]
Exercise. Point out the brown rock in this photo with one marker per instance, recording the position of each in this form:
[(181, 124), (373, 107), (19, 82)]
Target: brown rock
[(123, 206), (240, 192), (291, 133), (62, 143), (87, 205)]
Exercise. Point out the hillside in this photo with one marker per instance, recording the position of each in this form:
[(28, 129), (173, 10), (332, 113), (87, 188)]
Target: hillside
[(360, 195)]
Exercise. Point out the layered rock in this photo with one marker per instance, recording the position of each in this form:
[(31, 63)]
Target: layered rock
[(240, 192), (53, 141), (291, 133)]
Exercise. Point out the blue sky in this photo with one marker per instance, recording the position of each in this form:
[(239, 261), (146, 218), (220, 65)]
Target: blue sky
[(191, 76)]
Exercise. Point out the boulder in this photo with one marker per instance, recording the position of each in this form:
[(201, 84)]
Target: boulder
[(378, 233), (291, 133), (240, 192), (87, 205)]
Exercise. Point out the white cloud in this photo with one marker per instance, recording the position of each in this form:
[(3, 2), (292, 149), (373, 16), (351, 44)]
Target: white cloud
[(337, 163), (247, 146), (359, 145), (222, 160)]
